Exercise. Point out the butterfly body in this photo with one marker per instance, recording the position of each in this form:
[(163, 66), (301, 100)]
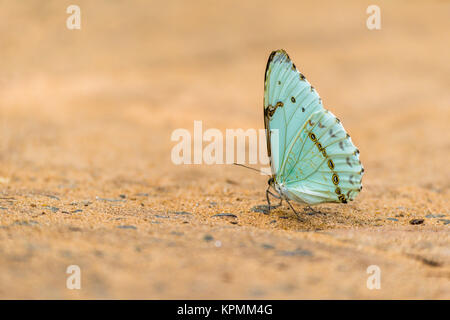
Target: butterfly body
[(313, 158)]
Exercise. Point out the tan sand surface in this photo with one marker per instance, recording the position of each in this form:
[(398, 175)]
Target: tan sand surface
[(86, 176)]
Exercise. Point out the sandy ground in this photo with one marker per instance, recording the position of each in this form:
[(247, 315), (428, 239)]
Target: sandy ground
[(86, 176)]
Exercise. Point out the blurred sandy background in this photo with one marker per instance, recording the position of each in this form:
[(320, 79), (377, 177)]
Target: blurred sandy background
[(86, 176)]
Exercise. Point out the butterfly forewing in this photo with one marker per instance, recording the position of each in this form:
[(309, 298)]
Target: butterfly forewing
[(288, 101)]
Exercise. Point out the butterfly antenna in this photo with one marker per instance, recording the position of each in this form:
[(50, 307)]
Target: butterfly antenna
[(242, 165)]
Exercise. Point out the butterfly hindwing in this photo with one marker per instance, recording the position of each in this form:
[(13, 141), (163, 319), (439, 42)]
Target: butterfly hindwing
[(328, 163)]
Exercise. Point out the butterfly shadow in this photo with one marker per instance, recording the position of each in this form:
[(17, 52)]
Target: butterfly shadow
[(306, 211)]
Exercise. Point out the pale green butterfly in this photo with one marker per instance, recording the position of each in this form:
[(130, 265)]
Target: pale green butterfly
[(312, 157)]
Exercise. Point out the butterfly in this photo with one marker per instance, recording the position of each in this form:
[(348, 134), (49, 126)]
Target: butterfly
[(313, 159)]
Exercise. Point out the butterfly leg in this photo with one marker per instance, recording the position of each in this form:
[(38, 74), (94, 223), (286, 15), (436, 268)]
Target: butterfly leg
[(273, 195), (309, 208), (296, 213)]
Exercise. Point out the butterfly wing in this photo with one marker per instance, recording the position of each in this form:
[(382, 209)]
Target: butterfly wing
[(289, 100), (311, 154)]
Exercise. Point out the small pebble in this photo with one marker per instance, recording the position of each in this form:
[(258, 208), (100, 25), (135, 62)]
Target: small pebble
[(392, 219), (297, 252), (25, 223), (416, 221), (225, 215), (435, 216), (53, 209), (257, 292), (127, 227), (109, 200), (261, 208), (218, 243), (52, 196), (446, 221), (142, 194), (180, 212), (208, 237)]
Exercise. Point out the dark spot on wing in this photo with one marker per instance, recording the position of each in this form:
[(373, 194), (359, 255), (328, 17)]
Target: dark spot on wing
[(331, 134), (319, 146), (270, 110), (348, 162), (342, 198), (293, 99), (313, 137), (335, 179), (330, 164)]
